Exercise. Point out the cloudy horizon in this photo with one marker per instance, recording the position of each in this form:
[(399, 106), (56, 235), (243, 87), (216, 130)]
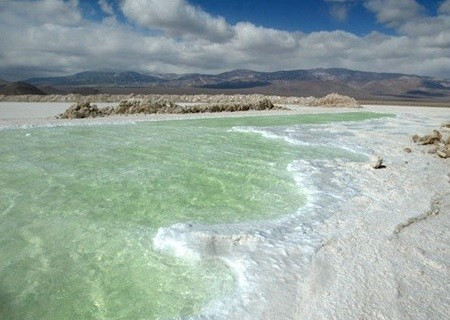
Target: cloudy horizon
[(57, 37)]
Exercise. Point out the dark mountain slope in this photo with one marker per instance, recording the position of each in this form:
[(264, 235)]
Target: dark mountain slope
[(20, 88), (97, 78)]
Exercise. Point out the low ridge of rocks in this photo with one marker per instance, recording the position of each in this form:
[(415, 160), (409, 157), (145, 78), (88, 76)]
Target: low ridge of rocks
[(331, 100), (86, 110), (80, 111)]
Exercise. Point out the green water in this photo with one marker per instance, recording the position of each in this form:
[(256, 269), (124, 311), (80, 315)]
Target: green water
[(79, 207)]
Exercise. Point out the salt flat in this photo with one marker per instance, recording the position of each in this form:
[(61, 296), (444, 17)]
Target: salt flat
[(386, 253), (378, 249)]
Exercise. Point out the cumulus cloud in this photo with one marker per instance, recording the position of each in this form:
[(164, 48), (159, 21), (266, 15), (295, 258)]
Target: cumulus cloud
[(177, 18), (32, 44), (395, 13), (409, 18)]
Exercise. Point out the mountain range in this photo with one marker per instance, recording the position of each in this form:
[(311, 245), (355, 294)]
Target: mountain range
[(315, 82)]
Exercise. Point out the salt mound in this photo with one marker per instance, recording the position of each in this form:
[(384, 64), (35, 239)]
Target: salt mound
[(335, 100)]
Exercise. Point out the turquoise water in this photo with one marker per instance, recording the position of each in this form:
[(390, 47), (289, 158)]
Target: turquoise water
[(79, 207)]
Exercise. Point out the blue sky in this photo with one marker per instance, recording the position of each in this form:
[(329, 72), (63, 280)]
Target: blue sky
[(55, 37), (289, 15), (306, 15)]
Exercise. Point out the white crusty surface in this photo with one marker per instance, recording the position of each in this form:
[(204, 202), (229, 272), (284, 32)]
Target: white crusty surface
[(386, 251)]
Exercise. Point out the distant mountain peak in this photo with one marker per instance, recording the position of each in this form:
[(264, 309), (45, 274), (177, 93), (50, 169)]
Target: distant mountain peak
[(301, 82)]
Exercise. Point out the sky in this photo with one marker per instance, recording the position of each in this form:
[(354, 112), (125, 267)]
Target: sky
[(60, 37)]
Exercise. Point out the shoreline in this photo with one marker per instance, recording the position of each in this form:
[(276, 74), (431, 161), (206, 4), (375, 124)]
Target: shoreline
[(16, 115), (380, 253), (356, 264), (384, 253), (11, 115)]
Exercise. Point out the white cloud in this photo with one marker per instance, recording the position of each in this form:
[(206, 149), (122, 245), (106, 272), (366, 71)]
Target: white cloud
[(395, 13), (177, 18), (253, 39), (106, 7), (339, 9), (31, 44), (42, 11), (444, 8), (340, 13)]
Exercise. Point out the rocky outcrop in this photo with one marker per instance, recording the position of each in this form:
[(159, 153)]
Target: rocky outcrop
[(335, 100), (80, 111), (440, 145), (432, 138), (264, 104), (146, 107), (128, 107)]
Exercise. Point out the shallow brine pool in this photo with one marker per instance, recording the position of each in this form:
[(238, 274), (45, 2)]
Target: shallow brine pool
[(79, 207)]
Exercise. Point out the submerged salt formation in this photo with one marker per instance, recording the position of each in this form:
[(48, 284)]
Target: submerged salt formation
[(331, 100), (86, 110)]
